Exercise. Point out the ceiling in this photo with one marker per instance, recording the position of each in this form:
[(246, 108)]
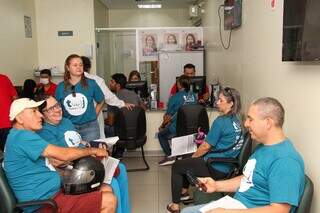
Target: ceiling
[(131, 4)]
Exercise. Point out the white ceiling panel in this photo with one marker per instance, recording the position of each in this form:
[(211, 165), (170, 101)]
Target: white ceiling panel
[(132, 4)]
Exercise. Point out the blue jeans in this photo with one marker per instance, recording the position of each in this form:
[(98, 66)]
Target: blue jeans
[(89, 131), (164, 136), (193, 209), (120, 189)]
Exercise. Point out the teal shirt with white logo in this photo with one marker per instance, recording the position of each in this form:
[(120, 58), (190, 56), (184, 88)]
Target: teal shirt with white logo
[(273, 174), (64, 134), (175, 102), (78, 105), (224, 132), (30, 176)]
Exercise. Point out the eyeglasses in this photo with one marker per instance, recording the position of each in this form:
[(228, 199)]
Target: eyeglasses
[(53, 108), (73, 90)]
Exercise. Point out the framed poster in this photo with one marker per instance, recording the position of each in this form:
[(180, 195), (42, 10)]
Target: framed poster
[(27, 27)]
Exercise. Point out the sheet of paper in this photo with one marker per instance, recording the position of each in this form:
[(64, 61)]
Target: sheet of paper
[(109, 141), (110, 165), (183, 145), (226, 202)]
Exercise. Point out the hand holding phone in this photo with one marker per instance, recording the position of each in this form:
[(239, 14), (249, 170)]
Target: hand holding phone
[(195, 181)]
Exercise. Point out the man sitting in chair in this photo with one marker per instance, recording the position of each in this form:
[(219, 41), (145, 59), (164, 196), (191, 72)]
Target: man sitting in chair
[(273, 178), (28, 161)]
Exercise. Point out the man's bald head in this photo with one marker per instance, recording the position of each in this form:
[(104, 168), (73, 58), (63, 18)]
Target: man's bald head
[(272, 108)]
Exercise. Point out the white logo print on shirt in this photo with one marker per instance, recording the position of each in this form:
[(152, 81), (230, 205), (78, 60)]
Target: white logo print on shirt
[(76, 105), (246, 180), (72, 138)]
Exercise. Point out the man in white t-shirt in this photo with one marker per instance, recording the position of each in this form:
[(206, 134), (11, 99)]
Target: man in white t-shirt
[(109, 97)]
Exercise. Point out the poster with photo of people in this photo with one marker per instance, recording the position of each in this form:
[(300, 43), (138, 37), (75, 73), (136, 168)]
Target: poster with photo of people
[(151, 42), (148, 45)]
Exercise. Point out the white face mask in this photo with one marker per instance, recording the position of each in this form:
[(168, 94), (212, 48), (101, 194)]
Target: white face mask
[(44, 81)]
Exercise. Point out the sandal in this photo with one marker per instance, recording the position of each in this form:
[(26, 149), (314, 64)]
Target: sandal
[(170, 210)]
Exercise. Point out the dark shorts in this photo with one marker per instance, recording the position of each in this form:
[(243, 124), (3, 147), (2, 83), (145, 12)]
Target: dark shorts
[(84, 203)]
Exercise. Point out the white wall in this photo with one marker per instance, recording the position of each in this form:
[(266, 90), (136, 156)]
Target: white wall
[(149, 18), (61, 15), (18, 55), (253, 65), (101, 14)]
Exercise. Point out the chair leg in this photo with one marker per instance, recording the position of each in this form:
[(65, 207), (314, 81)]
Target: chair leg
[(145, 162)]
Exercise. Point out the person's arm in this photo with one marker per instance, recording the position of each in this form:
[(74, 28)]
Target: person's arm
[(99, 107), (202, 150), (205, 96), (70, 154), (57, 163), (111, 98), (230, 185), (273, 207), (129, 106)]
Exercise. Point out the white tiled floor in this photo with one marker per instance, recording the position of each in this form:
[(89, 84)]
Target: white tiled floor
[(150, 191)]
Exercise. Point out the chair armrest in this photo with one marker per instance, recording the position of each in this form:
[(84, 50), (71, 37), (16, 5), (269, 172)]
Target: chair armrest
[(233, 161), (50, 202)]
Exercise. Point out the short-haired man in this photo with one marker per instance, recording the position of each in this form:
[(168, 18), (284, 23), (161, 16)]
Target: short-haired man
[(117, 85), (190, 71), (273, 178), (46, 86), (27, 164)]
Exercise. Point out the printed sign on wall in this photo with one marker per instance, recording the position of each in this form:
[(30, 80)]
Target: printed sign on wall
[(151, 42)]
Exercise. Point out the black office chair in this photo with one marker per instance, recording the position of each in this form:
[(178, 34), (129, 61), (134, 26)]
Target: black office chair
[(306, 199), (9, 202), (190, 118), (130, 127), (237, 167)]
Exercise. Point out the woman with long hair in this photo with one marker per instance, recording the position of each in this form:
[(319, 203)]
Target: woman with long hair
[(76, 95), (225, 132)]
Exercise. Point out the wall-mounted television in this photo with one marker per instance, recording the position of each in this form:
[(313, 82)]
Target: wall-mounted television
[(301, 30)]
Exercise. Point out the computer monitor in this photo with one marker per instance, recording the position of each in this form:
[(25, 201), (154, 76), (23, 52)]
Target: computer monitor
[(140, 87), (198, 84)]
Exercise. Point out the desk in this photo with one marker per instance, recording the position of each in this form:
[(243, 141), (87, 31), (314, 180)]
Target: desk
[(154, 120)]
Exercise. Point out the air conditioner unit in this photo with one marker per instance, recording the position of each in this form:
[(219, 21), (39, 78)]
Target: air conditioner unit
[(194, 10)]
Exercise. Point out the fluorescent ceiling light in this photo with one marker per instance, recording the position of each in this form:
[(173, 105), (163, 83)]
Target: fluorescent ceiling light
[(149, 6)]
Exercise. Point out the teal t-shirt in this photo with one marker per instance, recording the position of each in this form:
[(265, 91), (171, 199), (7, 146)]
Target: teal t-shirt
[(175, 102), (30, 175), (78, 106), (64, 134), (273, 174), (224, 132)]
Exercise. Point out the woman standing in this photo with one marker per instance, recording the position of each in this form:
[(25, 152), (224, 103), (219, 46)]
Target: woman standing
[(76, 95)]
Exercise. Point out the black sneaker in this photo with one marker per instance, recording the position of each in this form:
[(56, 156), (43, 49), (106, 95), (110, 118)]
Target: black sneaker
[(167, 161), (185, 196)]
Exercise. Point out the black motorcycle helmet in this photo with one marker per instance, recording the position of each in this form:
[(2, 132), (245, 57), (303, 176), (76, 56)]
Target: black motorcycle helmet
[(85, 175)]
